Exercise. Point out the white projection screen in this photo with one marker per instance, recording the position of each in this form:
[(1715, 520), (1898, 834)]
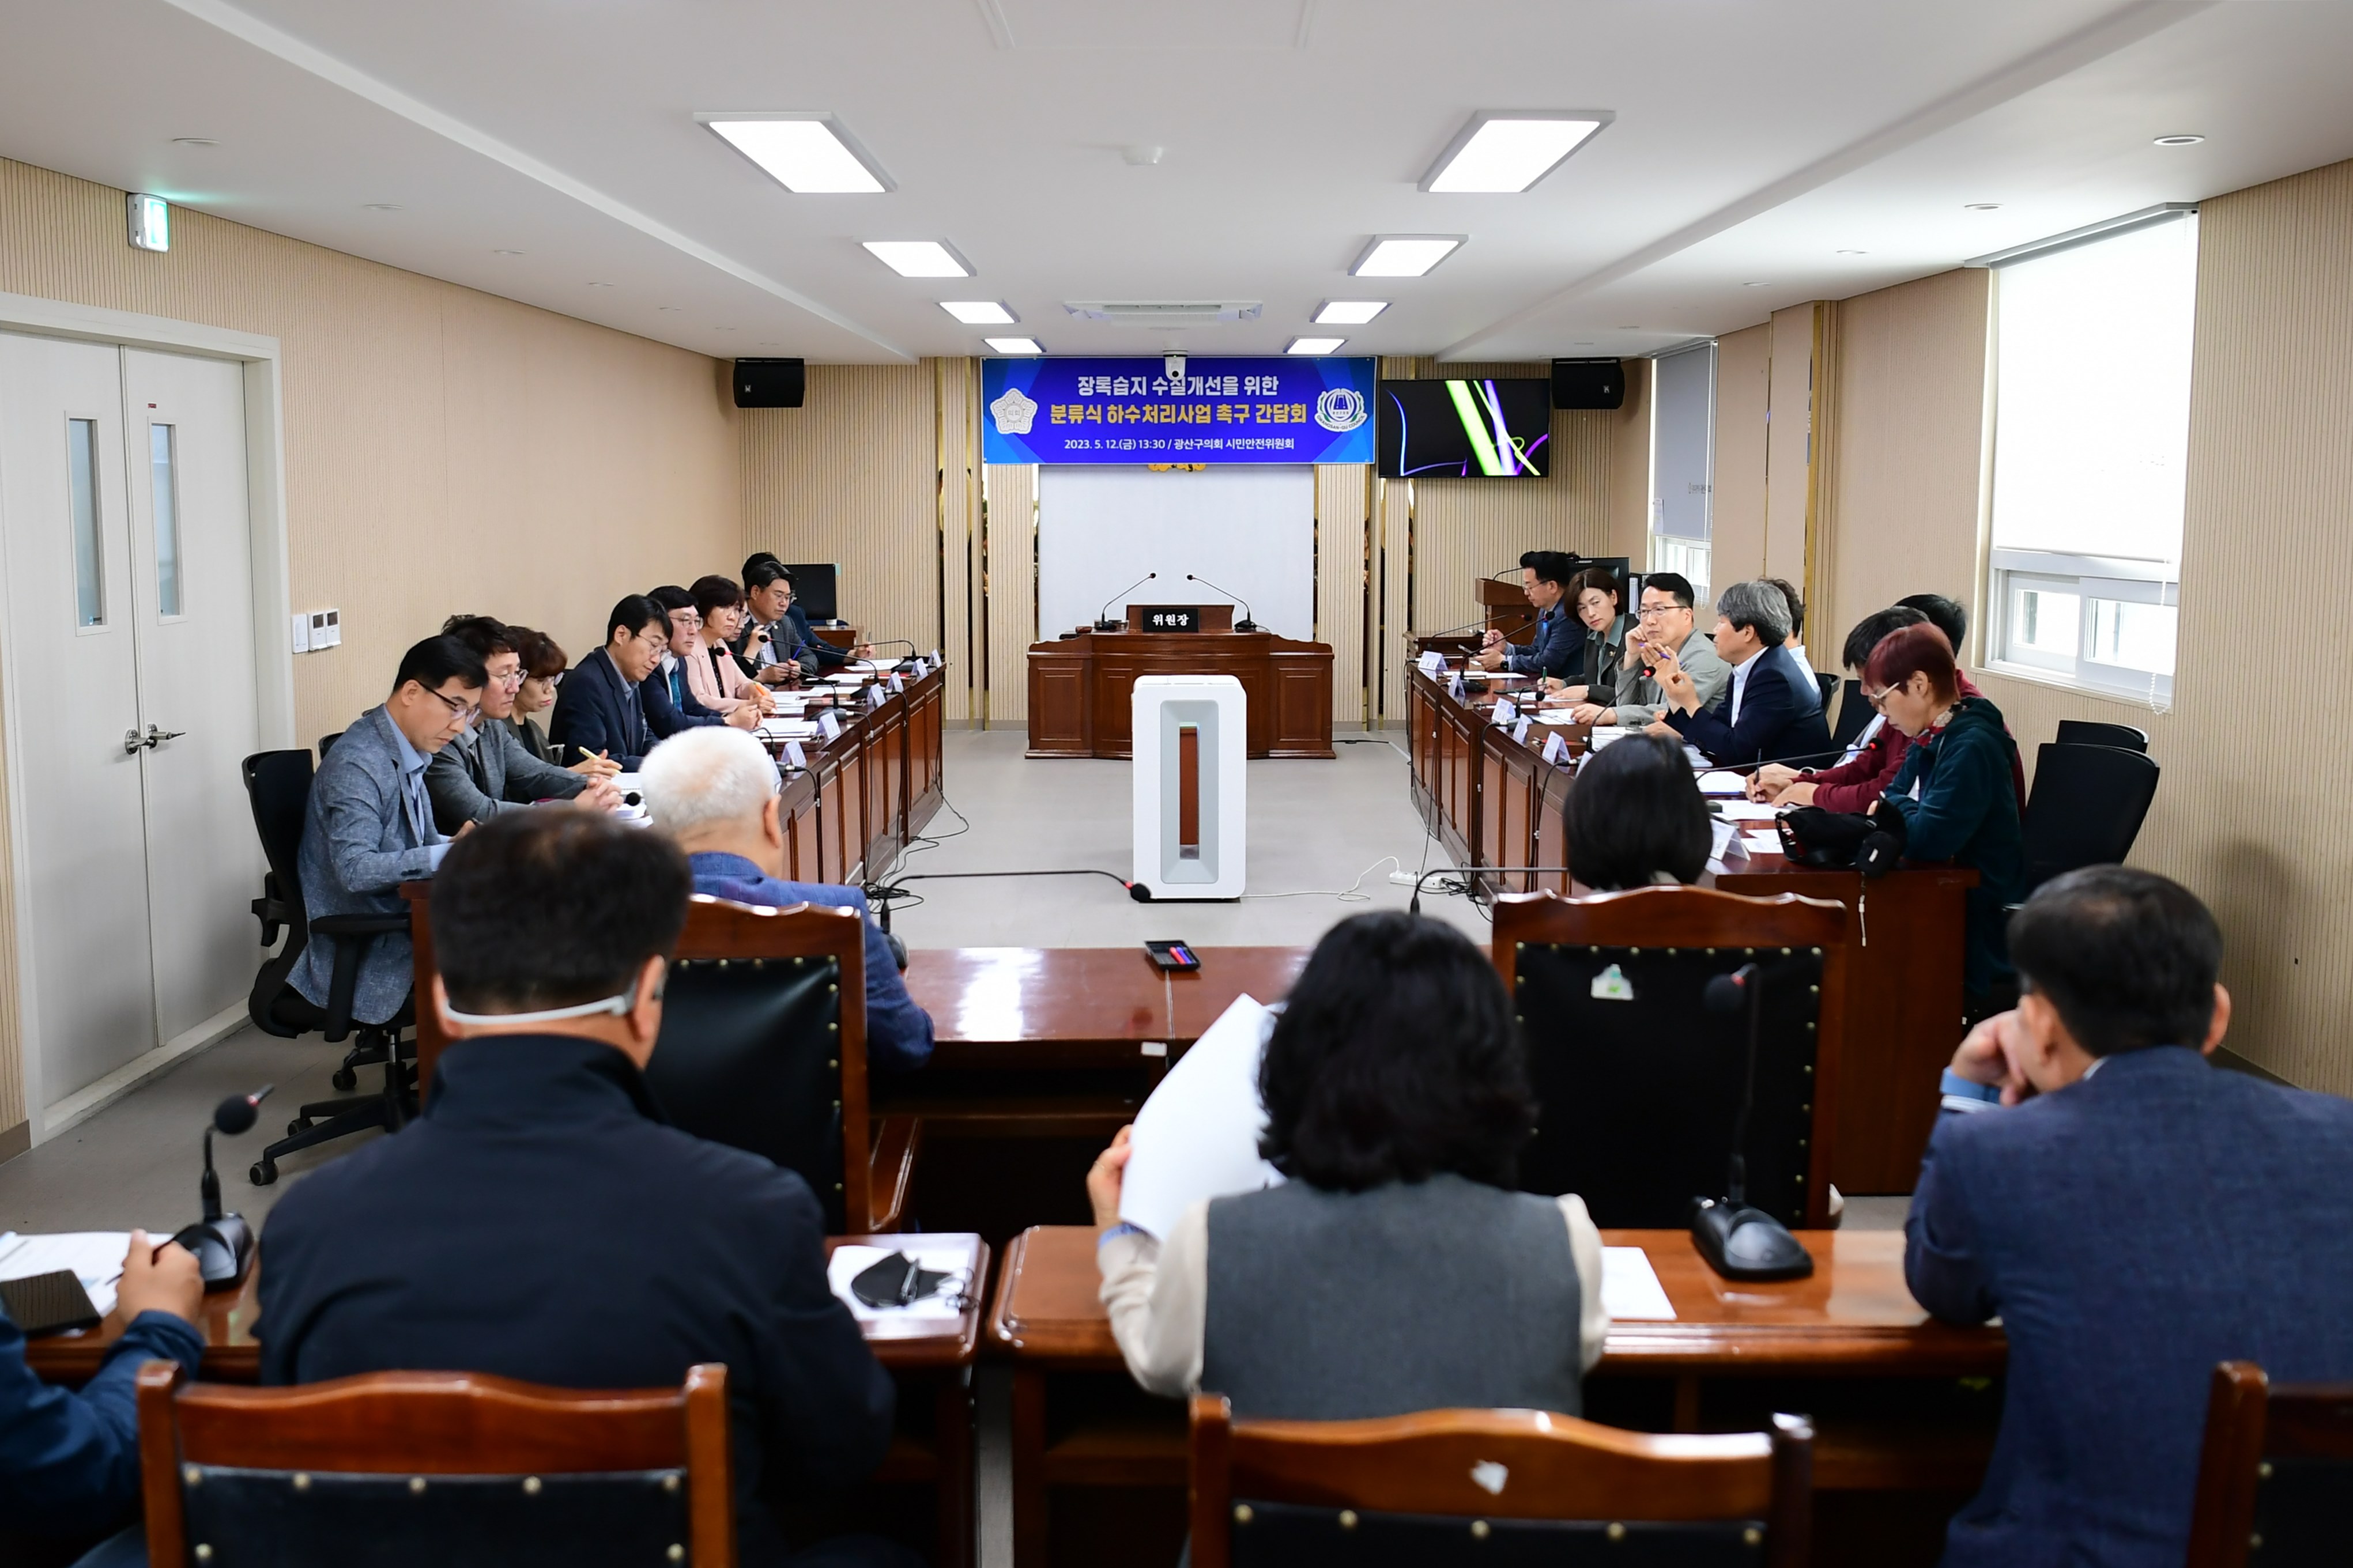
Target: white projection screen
[(1250, 528)]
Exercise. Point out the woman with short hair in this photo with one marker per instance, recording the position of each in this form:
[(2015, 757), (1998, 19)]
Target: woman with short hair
[(1397, 1269), (543, 665), (1600, 601), (1636, 818), (712, 673)]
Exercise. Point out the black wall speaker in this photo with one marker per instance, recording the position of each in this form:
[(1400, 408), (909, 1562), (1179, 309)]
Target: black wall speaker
[(771, 383), (1588, 384)]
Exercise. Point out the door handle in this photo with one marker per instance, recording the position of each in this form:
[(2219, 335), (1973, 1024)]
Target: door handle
[(133, 743), (156, 737)]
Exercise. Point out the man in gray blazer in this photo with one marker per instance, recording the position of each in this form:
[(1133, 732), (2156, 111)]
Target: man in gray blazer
[(1668, 623), (488, 770), (370, 824)]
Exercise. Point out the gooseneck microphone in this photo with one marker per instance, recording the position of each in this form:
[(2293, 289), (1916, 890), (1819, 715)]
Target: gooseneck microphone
[(1103, 621), (1740, 1242), (223, 1243), (1245, 623)]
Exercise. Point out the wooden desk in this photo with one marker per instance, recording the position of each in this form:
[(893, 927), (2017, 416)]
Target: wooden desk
[(1492, 801), (1853, 1322), (1079, 688), (863, 797), (934, 1444)]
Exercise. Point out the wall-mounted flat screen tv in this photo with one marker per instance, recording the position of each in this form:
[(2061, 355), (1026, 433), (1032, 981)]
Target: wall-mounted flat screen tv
[(1489, 428)]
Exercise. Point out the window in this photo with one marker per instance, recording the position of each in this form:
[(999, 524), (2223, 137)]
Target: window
[(2091, 433), (1682, 463), (168, 519), (82, 488)]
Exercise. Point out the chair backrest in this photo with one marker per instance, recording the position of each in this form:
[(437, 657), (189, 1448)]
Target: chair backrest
[(1826, 684), (763, 1042), (2095, 732), (1853, 714), (278, 786), (2086, 809), (2275, 1471), (451, 1468), (1479, 1486), (1640, 1083), (327, 743)]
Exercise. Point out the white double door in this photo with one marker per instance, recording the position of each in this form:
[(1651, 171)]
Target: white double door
[(131, 698)]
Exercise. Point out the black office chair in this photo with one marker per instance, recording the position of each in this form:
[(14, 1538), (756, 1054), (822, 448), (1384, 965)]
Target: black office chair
[(1827, 685), (2092, 733), (278, 785), (2086, 809), (327, 743), (1854, 714), (1639, 1082)]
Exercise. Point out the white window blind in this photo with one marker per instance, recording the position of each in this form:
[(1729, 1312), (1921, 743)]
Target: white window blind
[(2091, 434)]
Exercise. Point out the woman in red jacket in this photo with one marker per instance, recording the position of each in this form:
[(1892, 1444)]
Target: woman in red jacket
[(1871, 763)]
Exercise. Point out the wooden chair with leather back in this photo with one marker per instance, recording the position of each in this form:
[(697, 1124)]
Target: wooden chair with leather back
[(764, 1047), (1640, 1082), (2275, 1472), (1476, 1486), (451, 1468)]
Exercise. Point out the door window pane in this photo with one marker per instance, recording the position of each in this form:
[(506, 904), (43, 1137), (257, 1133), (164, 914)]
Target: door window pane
[(167, 521), (89, 559)]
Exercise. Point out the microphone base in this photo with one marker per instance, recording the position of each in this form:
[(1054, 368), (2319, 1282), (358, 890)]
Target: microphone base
[(1743, 1243), (1247, 627), (223, 1250), (1109, 625)]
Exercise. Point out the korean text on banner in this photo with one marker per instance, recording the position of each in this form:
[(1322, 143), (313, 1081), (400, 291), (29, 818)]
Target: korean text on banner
[(1288, 410)]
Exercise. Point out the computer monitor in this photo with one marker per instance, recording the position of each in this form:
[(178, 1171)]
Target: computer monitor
[(816, 589)]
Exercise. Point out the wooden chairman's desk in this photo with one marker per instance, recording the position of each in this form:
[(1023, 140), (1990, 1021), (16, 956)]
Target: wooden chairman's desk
[(1079, 685), (933, 1447), (1091, 1454), (1492, 801)]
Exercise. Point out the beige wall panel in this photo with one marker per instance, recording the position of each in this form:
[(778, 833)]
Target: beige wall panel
[(1744, 364), (1343, 508), (1789, 445), (1909, 451), (852, 478), (958, 381), (444, 449), (1009, 537)]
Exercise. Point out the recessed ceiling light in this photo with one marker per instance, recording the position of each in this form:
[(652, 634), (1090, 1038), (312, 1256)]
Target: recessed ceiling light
[(1014, 346), (979, 312), (594, 285), (506, 253), (384, 207), (1314, 345), (1348, 313), (1854, 253), (1754, 285), (809, 155), (1143, 157), (672, 307), (1582, 343), (1507, 150), (1981, 206), (2180, 141), (1405, 255), (918, 258), (194, 142)]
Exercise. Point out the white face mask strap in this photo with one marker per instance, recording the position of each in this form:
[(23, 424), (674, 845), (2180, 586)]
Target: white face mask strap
[(617, 1006)]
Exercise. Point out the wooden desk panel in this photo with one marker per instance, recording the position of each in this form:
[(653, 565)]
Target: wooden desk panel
[(1081, 687)]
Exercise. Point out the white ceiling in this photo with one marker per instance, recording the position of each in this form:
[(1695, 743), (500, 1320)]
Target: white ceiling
[(1755, 141)]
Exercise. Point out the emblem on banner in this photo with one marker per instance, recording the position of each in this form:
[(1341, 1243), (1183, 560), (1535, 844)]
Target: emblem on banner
[(1341, 408), (1014, 411)]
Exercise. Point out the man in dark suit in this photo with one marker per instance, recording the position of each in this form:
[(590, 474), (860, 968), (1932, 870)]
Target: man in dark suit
[(488, 770), (600, 708), (671, 703), (1543, 576), (540, 1221), (1761, 716), (2137, 1218), (776, 633)]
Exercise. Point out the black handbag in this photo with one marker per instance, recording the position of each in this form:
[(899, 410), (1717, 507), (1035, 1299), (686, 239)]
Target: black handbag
[(1842, 840)]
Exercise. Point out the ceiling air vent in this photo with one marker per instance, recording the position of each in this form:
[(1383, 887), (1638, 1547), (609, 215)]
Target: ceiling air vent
[(1164, 312)]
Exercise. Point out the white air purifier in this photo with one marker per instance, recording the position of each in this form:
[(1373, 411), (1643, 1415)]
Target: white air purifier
[(1192, 811)]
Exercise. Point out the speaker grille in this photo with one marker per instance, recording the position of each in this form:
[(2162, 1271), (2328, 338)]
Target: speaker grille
[(770, 382), (1588, 384)]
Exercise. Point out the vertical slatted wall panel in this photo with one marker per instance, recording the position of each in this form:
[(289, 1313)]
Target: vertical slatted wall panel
[(1012, 535), (1343, 502), (957, 381)]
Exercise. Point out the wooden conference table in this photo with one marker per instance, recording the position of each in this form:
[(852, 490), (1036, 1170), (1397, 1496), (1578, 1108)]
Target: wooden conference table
[(931, 1358), (1080, 684), (1494, 802), (1900, 1402)]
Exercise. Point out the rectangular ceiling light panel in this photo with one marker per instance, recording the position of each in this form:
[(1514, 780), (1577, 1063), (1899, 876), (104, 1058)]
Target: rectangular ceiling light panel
[(1314, 345), (979, 312), (1014, 346), (809, 155), (1503, 152), (1348, 313), (918, 258), (1405, 255)]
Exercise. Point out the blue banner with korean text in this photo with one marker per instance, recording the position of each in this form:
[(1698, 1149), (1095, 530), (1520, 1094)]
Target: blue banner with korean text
[(1292, 410)]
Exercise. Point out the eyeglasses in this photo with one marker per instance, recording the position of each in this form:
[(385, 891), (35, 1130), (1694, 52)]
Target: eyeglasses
[(1877, 698), (1647, 611), (457, 709)]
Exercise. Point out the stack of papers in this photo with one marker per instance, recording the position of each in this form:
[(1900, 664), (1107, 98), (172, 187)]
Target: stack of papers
[(94, 1256), (1631, 1290), (845, 680), (1762, 843), (949, 1253), (1749, 811), (1196, 1136), (788, 728), (1718, 782)]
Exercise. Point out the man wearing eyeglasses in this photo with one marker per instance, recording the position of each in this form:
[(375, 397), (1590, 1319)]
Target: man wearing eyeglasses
[(488, 770), (671, 703), (1665, 626), (369, 827), (600, 708)]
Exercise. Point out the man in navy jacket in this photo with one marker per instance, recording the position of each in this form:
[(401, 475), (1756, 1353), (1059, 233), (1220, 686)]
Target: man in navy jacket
[(715, 793), (1543, 574), (601, 708), (69, 1462), (2139, 1218), (1764, 714), (541, 1221)]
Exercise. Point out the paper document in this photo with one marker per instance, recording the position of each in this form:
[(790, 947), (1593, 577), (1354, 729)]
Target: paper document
[(1762, 843), (94, 1256), (790, 707), (1692, 754), (1749, 811), (1718, 782), (1630, 1289), (1607, 735), (788, 728), (1196, 1136), (950, 1253), (845, 680), (1557, 716)]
